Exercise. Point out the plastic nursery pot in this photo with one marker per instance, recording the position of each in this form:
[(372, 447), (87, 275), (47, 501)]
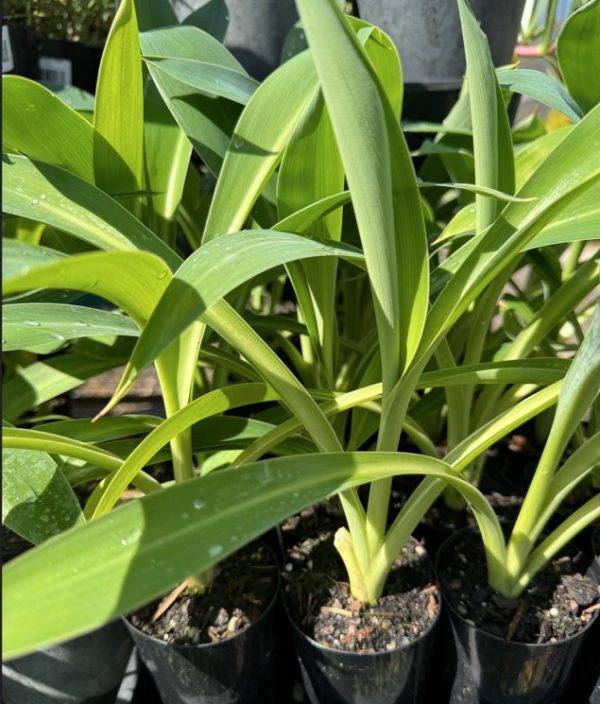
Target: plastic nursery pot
[(241, 669), (256, 33), (388, 677), (428, 35), (84, 670), (492, 670)]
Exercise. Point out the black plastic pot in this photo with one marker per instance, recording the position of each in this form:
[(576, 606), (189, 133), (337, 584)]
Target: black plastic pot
[(428, 35), (257, 31), (241, 669), (63, 63), (491, 670), (85, 670), (341, 677)]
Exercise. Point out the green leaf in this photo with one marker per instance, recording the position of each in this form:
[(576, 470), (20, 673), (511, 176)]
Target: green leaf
[(212, 17), (492, 141), (541, 87), (37, 326), (44, 128), (381, 179), (209, 79), (132, 281), (258, 142), (311, 169), (20, 257), (119, 113), (37, 501), (578, 49), (207, 122), (195, 288), (77, 99), (215, 402), (87, 576), (41, 381), (58, 198), (566, 173), (154, 13)]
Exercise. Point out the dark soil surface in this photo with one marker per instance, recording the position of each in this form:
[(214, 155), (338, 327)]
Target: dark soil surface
[(242, 590), (320, 602), (558, 603)]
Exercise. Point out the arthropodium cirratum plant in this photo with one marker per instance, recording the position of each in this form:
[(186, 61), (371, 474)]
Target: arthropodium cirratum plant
[(342, 107)]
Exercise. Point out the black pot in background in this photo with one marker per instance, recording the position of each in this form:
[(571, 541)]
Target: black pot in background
[(63, 63), (428, 35), (339, 677), (490, 670), (242, 669), (19, 51), (85, 670), (256, 33)]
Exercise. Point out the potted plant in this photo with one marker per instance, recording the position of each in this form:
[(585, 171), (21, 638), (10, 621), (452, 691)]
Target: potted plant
[(396, 353)]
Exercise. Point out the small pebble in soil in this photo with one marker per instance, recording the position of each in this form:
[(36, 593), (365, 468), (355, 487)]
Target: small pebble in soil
[(558, 603), (243, 588), (319, 599)]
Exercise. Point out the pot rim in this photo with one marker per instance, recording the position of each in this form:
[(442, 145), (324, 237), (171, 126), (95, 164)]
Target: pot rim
[(382, 653), (202, 646), (515, 644)]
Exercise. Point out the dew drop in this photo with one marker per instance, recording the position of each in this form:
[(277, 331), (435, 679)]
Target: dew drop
[(31, 324), (19, 189), (198, 504), (215, 550), (57, 336), (3, 341), (161, 275), (185, 516), (572, 218), (131, 537), (34, 201), (238, 142), (81, 324), (43, 196)]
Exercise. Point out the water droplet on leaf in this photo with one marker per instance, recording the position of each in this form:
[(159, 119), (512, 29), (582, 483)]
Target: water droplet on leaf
[(215, 550)]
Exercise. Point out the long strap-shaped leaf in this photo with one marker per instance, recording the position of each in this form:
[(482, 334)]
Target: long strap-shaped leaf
[(106, 494), (580, 388), (492, 143), (258, 142), (119, 111), (195, 286), (381, 179), (51, 195), (53, 132), (567, 172), (87, 576)]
